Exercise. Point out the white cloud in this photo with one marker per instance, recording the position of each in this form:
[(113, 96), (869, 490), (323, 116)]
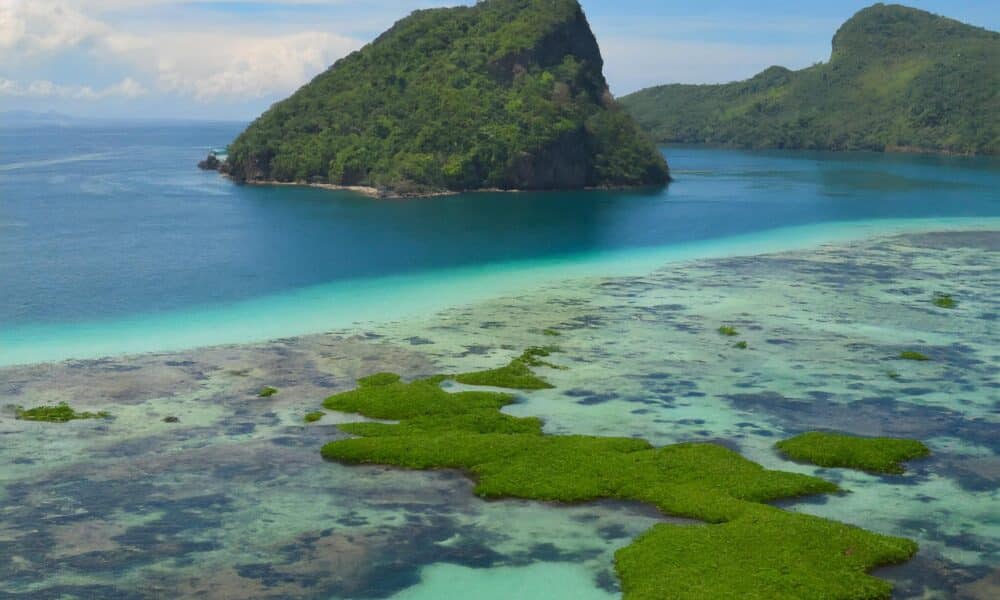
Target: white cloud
[(203, 65), (208, 66), (41, 88), (29, 28)]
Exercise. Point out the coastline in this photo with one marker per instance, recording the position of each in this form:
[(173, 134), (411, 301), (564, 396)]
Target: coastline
[(384, 194), (370, 192)]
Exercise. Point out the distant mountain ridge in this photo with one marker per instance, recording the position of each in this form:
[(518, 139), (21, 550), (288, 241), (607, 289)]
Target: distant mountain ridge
[(898, 79), (23, 118), (506, 94)]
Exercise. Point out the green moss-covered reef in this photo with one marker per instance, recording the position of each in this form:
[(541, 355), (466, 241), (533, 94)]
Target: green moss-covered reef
[(877, 455), (744, 547), (60, 413)]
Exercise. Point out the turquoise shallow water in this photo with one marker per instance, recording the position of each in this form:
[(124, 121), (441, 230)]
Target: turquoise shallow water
[(343, 303), (825, 263)]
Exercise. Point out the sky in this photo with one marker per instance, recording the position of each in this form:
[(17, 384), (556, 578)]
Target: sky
[(230, 59)]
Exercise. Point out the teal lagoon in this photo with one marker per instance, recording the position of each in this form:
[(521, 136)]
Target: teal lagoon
[(353, 302), (111, 241)]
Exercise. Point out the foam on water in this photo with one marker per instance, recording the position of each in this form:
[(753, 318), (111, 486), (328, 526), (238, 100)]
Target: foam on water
[(49, 162), (321, 308)]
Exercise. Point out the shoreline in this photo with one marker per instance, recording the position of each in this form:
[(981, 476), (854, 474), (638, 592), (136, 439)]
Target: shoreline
[(353, 305), (371, 192)]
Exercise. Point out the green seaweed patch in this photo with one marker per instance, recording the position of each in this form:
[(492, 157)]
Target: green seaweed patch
[(728, 330), (742, 345), (267, 391), (313, 416), (551, 332), (944, 301), (891, 374), (765, 552), (913, 355), (516, 374), (60, 413), (876, 455)]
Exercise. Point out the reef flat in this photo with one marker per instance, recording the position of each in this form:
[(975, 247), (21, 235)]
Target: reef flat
[(232, 498)]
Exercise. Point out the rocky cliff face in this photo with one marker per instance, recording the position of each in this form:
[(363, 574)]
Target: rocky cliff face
[(503, 94)]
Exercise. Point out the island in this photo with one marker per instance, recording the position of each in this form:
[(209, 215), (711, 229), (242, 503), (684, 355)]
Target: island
[(898, 79), (505, 95)]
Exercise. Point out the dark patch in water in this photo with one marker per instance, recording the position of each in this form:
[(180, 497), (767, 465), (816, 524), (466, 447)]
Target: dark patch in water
[(376, 563), (971, 473), (352, 520), (476, 350), (265, 573), (241, 429), (589, 397), (292, 442), (586, 518), (613, 532), (583, 322), (943, 240), (75, 592), (419, 341), (916, 391), (606, 580)]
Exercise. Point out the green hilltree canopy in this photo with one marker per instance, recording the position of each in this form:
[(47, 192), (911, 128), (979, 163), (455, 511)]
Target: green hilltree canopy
[(503, 94), (898, 79)]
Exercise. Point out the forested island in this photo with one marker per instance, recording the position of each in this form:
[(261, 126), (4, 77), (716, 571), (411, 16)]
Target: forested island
[(898, 79), (505, 94)]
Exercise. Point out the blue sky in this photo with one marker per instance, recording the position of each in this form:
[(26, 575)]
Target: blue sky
[(232, 59)]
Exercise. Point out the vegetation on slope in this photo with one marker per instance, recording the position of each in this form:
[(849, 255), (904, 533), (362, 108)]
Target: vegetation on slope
[(503, 94), (877, 455), (898, 79), (749, 550)]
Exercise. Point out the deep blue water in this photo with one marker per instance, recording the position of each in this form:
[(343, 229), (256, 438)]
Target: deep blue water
[(102, 221)]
